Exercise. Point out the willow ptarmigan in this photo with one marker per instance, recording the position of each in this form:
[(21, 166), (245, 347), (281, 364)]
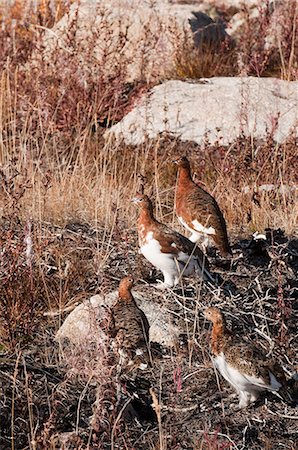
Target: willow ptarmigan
[(244, 366), (167, 250), (198, 211), (130, 329)]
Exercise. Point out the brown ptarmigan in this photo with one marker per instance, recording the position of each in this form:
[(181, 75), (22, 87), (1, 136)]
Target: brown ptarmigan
[(167, 250), (244, 366), (130, 329), (198, 211)]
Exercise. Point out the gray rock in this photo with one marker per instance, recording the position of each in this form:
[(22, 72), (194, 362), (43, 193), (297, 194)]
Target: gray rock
[(81, 324), (216, 109)]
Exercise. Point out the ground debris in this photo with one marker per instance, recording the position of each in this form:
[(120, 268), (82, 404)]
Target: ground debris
[(59, 397)]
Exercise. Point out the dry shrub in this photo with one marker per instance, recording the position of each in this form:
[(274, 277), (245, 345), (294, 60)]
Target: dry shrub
[(265, 45), (268, 43), (93, 364), (22, 291), (65, 93), (96, 181), (41, 270), (207, 60), (215, 440), (57, 168), (22, 24)]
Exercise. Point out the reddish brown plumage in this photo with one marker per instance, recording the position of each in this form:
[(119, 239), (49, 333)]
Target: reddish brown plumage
[(125, 289), (162, 233), (168, 242), (220, 336), (193, 203)]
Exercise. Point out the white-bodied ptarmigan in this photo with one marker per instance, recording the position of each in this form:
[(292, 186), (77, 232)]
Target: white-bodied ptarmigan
[(198, 211), (169, 251), (244, 366)]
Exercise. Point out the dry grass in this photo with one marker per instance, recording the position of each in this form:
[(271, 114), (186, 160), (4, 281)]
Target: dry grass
[(260, 58), (67, 225), (56, 166), (205, 61), (95, 181)]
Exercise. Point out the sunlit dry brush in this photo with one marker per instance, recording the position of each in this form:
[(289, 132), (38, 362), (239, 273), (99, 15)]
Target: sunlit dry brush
[(57, 167), (205, 61), (254, 183), (65, 209), (21, 293), (265, 45), (268, 43)]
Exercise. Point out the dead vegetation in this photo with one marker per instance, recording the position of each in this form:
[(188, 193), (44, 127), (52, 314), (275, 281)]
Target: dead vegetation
[(67, 232), (71, 397), (266, 45)]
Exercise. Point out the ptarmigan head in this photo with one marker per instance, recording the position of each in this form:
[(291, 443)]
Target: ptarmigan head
[(125, 288), (142, 201), (214, 315), (182, 162)]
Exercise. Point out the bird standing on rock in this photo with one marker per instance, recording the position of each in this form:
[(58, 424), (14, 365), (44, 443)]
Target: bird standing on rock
[(198, 211), (244, 366), (167, 250), (130, 329)]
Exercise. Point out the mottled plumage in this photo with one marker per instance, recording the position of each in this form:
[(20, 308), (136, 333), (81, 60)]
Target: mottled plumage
[(198, 211), (130, 329), (244, 366), (167, 250)]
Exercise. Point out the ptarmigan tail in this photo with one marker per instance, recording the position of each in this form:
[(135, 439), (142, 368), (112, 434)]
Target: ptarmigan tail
[(207, 276), (283, 390)]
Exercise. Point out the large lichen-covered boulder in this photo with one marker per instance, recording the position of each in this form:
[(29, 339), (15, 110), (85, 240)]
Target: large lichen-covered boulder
[(218, 109)]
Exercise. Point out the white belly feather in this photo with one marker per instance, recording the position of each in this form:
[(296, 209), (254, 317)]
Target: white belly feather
[(197, 226), (169, 263), (185, 224), (152, 252), (243, 382), (201, 229)]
